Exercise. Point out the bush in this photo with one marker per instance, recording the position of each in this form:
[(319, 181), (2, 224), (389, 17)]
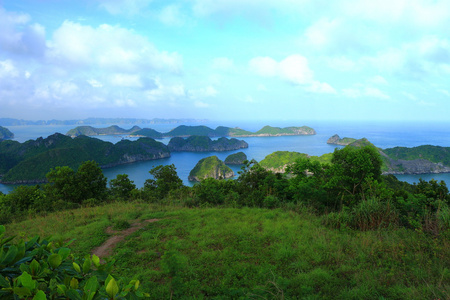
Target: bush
[(39, 269)]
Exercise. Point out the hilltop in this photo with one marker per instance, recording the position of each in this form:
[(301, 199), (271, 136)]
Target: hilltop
[(210, 167), (111, 130)]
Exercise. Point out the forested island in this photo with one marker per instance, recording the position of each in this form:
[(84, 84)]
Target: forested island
[(5, 134), (210, 167), (29, 162), (186, 131)]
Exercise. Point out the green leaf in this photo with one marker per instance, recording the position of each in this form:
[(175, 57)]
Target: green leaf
[(27, 281), (73, 295), (91, 287), (112, 288), (34, 267), (96, 260), (9, 256), (62, 289), (22, 292), (54, 260), (74, 283), (2, 230), (40, 296), (87, 265), (76, 267), (64, 252), (4, 283)]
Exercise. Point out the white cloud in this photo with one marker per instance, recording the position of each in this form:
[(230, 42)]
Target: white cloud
[(206, 92), (165, 92), (7, 69), (126, 80), (95, 83), (264, 66), (321, 87), (109, 47), (293, 69)]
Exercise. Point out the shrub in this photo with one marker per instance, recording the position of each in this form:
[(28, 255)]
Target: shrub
[(39, 269)]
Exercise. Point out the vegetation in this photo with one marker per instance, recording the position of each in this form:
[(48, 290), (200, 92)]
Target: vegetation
[(5, 133), (111, 130), (434, 154), (210, 167), (279, 160), (335, 139), (336, 230), (197, 143), (236, 159), (222, 131), (30, 161)]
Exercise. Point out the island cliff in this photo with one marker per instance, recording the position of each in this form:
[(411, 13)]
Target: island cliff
[(210, 167)]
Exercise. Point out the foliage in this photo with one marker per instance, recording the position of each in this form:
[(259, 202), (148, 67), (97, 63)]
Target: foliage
[(165, 179), (236, 159), (210, 167), (280, 159), (74, 187), (122, 186), (39, 269), (434, 154), (352, 171)]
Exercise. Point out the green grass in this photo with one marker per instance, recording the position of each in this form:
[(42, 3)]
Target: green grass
[(249, 253)]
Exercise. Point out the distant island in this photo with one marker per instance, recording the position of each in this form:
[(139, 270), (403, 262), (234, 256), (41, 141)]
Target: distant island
[(236, 159), (210, 167), (5, 134), (30, 161), (197, 143), (186, 131), (336, 140), (96, 121)]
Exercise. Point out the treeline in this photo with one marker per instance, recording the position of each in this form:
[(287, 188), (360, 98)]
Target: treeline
[(350, 191)]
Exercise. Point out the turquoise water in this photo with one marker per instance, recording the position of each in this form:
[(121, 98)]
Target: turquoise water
[(382, 134)]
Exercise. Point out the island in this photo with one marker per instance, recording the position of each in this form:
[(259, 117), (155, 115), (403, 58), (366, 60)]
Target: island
[(111, 130), (96, 121), (210, 167), (29, 162), (5, 134), (336, 140), (205, 144), (187, 131), (278, 161), (236, 159)]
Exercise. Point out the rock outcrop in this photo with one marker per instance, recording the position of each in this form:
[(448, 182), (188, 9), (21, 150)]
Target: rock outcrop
[(210, 167)]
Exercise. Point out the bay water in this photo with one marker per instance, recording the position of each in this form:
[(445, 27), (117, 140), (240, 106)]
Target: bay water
[(381, 134)]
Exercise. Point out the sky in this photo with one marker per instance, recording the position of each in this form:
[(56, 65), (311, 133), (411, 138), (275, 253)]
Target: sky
[(225, 59)]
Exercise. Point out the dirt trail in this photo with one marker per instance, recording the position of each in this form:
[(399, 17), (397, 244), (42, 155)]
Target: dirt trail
[(108, 246)]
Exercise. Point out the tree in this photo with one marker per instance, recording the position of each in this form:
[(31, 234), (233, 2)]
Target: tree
[(90, 181), (62, 185), (352, 171), (165, 179), (122, 186)]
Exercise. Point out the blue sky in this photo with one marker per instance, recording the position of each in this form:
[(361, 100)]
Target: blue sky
[(225, 59)]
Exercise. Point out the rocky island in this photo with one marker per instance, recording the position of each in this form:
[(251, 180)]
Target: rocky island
[(336, 140), (5, 134), (91, 131), (236, 159), (29, 162), (205, 144), (186, 131), (210, 167)]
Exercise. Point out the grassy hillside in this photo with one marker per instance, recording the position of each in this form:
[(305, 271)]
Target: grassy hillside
[(254, 253)]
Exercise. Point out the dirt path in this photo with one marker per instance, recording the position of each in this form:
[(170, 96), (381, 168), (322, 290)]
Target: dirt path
[(108, 246)]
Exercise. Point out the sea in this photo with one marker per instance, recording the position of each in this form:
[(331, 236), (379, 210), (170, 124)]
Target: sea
[(381, 134)]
